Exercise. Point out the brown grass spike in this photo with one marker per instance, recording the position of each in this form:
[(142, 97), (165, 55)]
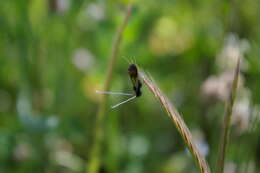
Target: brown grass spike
[(178, 121)]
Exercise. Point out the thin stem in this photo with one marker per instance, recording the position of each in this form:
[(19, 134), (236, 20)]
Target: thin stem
[(179, 123), (94, 162), (226, 124)]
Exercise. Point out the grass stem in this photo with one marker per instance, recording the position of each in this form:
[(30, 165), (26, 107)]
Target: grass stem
[(227, 119), (178, 121), (95, 161)]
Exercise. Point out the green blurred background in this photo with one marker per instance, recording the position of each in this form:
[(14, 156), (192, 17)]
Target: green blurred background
[(54, 55)]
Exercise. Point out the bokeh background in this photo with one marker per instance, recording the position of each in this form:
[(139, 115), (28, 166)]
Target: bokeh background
[(54, 55)]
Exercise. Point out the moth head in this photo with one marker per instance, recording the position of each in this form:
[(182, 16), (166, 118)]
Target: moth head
[(132, 71)]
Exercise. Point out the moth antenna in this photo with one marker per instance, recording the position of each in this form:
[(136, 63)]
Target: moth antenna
[(127, 60), (130, 61), (134, 59), (131, 98), (113, 93)]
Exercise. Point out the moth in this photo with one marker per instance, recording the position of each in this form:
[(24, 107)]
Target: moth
[(136, 82)]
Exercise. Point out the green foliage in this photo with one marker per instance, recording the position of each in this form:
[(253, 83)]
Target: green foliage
[(54, 55)]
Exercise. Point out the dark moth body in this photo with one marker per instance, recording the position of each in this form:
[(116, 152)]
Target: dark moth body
[(137, 85)]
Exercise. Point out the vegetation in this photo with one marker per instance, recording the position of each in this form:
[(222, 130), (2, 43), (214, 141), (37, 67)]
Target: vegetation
[(203, 55)]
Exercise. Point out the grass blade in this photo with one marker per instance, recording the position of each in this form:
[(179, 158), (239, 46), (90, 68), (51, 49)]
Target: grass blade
[(226, 125)]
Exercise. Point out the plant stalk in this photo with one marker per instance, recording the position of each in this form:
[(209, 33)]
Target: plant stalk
[(178, 122), (226, 124), (94, 163)]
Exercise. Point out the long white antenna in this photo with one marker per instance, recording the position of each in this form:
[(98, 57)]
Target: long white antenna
[(114, 93), (123, 102)]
